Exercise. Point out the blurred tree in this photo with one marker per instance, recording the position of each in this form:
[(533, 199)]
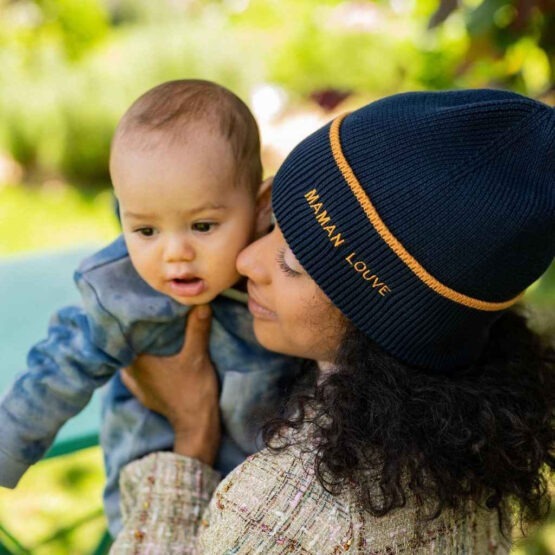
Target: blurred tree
[(75, 26), (515, 38), (78, 24), (71, 66)]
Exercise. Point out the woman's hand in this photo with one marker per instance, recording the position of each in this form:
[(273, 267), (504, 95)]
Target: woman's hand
[(184, 389)]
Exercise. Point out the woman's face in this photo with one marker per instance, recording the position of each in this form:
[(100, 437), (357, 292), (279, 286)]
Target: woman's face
[(291, 313)]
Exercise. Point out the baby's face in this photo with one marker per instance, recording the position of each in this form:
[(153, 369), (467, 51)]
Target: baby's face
[(184, 218)]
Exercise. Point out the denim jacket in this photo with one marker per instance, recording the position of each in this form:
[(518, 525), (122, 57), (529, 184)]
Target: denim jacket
[(122, 317)]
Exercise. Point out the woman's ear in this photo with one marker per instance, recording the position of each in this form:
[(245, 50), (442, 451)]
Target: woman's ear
[(264, 208)]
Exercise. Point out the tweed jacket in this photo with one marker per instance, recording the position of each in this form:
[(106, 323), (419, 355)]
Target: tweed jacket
[(274, 504)]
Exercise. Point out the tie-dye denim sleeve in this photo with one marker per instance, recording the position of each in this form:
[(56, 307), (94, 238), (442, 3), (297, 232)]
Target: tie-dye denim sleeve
[(62, 372)]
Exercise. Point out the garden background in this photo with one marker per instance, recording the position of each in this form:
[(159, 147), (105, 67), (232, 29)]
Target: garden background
[(71, 67)]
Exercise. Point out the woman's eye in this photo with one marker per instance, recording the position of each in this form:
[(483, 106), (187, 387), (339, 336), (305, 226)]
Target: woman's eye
[(203, 227), (145, 231), (283, 265)]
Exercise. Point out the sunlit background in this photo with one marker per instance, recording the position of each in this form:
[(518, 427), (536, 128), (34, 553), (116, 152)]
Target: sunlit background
[(70, 68)]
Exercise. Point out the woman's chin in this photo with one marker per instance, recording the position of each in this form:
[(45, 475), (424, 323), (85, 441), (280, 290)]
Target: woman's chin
[(270, 338), (264, 335)]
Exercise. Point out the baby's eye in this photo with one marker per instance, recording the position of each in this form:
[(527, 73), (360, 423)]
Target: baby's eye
[(203, 227), (145, 231)]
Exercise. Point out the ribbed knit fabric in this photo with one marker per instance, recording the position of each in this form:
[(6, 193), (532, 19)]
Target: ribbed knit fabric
[(463, 187)]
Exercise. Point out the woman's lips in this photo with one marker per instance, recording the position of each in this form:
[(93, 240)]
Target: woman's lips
[(187, 287), (260, 311)]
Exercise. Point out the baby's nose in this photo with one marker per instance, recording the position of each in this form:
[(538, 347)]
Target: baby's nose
[(178, 249)]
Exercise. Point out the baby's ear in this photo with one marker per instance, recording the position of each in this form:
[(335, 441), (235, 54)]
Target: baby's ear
[(264, 208)]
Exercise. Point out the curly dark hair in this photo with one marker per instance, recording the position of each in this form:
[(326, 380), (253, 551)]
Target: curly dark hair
[(484, 434)]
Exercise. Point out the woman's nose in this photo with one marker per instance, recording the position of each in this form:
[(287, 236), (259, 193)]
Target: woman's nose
[(252, 262), (178, 249)]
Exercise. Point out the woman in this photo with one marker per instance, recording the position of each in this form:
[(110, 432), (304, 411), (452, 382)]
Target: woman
[(406, 232)]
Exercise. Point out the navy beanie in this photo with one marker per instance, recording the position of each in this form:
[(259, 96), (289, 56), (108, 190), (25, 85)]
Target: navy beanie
[(423, 216)]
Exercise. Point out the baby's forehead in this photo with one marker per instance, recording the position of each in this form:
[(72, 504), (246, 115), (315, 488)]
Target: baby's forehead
[(137, 136), (173, 149)]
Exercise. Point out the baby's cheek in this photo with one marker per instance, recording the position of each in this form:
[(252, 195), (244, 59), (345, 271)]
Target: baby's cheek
[(229, 275), (221, 271)]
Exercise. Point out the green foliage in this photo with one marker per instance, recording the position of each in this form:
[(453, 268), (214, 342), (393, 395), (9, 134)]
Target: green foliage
[(72, 27), (53, 217), (71, 67), (312, 46), (51, 498), (437, 70), (58, 118), (315, 58), (77, 24), (540, 541), (508, 42)]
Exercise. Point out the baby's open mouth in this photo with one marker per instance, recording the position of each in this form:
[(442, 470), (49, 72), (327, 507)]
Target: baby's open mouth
[(187, 286), (186, 280)]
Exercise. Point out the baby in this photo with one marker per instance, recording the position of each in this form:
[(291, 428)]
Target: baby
[(185, 165)]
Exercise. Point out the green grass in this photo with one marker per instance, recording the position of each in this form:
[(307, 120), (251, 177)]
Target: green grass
[(54, 216), (539, 542), (52, 496)]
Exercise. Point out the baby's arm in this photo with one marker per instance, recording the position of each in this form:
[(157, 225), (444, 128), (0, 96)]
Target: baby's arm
[(122, 317), (62, 372)]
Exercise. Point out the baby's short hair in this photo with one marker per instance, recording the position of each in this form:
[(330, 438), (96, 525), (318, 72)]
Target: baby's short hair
[(172, 106)]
